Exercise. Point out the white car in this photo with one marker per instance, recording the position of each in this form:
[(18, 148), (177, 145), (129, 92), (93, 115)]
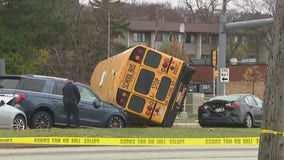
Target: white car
[(11, 117)]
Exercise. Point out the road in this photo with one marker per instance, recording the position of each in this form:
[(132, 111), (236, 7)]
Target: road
[(132, 153)]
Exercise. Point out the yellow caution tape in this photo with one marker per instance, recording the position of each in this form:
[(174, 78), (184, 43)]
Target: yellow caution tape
[(267, 131), (133, 141)]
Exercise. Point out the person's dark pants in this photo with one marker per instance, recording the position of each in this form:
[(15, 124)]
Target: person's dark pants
[(72, 109)]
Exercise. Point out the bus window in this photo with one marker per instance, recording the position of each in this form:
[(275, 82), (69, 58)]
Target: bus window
[(163, 88), (144, 81), (136, 104), (152, 59)]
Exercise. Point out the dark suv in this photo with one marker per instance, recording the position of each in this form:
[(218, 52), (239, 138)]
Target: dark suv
[(40, 97)]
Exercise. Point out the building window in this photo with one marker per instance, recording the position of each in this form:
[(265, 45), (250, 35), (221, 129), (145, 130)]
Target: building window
[(207, 38), (244, 40), (190, 38), (163, 37), (236, 39), (176, 37), (139, 37), (180, 38)]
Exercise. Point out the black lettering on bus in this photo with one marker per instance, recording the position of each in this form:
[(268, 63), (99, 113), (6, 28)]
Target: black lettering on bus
[(155, 83), (180, 96), (127, 79), (129, 76), (170, 92), (131, 68)]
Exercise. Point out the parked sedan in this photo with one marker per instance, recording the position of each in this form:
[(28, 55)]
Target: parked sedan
[(11, 117), (235, 109)]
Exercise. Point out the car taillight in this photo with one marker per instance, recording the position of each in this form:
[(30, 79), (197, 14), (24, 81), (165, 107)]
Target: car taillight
[(235, 104), (19, 98)]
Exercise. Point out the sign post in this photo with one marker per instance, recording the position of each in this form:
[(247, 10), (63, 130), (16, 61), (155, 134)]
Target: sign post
[(225, 74)]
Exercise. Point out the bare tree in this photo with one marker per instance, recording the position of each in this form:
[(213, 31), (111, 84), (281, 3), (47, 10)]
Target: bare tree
[(255, 6), (253, 75), (272, 139), (202, 10), (245, 11)]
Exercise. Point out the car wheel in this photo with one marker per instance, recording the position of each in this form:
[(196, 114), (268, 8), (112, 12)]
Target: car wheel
[(19, 123), (248, 121), (41, 120), (116, 122)]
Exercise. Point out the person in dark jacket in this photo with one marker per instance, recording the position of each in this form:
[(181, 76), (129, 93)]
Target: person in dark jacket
[(71, 98)]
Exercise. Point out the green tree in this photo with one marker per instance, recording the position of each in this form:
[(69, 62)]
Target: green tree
[(109, 13), (172, 48), (85, 41), (27, 28)]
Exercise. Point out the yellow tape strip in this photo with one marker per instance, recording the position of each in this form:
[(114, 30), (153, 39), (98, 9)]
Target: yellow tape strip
[(267, 131), (133, 141)]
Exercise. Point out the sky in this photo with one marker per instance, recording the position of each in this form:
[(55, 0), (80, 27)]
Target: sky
[(174, 3)]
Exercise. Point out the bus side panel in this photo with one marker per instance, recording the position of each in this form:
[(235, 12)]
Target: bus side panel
[(178, 96), (105, 76)]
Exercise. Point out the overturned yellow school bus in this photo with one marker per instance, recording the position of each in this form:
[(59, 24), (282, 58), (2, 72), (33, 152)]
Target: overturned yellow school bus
[(149, 84)]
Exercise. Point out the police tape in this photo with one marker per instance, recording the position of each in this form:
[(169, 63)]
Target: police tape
[(132, 141), (267, 131)]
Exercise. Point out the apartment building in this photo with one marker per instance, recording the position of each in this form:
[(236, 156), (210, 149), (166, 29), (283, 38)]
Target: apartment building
[(195, 39)]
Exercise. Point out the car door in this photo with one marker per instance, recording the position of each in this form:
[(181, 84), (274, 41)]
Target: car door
[(89, 114), (4, 116), (5, 119), (259, 104), (254, 108), (56, 101)]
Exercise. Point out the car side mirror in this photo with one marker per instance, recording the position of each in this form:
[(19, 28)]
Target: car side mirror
[(2, 103), (97, 103)]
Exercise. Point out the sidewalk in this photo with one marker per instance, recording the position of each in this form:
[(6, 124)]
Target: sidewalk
[(191, 124)]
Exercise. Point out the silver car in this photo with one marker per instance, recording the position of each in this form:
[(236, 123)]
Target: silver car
[(11, 117)]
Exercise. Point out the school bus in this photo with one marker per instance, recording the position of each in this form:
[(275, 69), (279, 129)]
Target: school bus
[(149, 84)]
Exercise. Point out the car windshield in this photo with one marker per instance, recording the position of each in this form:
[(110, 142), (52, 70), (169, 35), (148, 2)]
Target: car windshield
[(226, 97)]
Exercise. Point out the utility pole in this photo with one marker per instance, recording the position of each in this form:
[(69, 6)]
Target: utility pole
[(2, 66), (222, 48)]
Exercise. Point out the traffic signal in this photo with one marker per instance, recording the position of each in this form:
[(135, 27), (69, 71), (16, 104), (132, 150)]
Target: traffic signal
[(214, 54)]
